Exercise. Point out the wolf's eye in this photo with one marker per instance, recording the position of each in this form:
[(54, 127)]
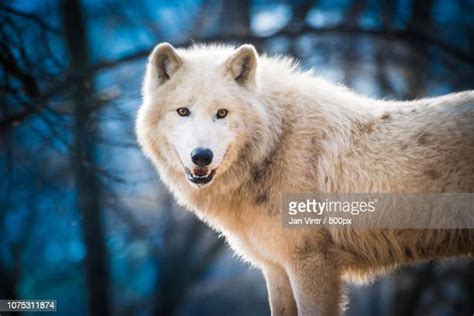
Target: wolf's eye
[(183, 111), (221, 113)]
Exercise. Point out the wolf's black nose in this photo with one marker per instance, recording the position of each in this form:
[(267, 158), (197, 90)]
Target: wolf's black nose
[(201, 156)]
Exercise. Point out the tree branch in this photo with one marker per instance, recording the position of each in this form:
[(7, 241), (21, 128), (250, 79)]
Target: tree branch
[(33, 17)]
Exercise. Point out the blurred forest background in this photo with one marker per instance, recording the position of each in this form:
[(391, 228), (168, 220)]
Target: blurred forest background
[(84, 218)]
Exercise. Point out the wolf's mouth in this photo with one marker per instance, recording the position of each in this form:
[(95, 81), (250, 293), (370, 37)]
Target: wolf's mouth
[(200, 176)]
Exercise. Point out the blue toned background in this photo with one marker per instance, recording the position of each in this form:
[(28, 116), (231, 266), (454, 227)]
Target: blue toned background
[(84, 218)]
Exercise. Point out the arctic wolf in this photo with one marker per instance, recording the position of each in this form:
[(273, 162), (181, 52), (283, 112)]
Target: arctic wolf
[(231, 131)]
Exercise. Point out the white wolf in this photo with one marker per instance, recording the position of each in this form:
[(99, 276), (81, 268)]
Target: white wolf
[(230, 131)]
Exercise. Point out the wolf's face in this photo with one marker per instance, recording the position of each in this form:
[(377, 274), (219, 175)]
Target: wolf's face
[(198, 110), (201, 135)]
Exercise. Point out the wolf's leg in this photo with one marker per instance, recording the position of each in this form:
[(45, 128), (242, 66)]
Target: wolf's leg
[(280, 294), (316, 285)]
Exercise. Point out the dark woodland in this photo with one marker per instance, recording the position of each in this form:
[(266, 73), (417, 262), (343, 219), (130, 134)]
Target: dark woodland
[(84, 218)]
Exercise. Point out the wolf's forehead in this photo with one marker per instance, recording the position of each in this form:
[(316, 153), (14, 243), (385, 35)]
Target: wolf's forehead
[(202, 85), (205, 57), (202, 74), (204, 65)]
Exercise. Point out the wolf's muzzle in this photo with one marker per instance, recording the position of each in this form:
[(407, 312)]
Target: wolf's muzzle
[(199, 179)]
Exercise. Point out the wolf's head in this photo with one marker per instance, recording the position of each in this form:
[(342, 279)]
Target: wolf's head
[(200, 112)]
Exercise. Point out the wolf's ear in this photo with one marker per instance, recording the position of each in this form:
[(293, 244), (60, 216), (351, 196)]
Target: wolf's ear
[(164, 61), (242, 65)]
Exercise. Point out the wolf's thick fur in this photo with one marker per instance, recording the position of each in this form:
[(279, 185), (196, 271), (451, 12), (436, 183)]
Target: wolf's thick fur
[(293, 132)]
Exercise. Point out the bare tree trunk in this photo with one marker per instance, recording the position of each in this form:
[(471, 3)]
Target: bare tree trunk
[(354, 12), (87, 183), (300, 10), (7, 285), (409, 285), (421, 16), (181, 270), (235, 18), (418, 24)]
